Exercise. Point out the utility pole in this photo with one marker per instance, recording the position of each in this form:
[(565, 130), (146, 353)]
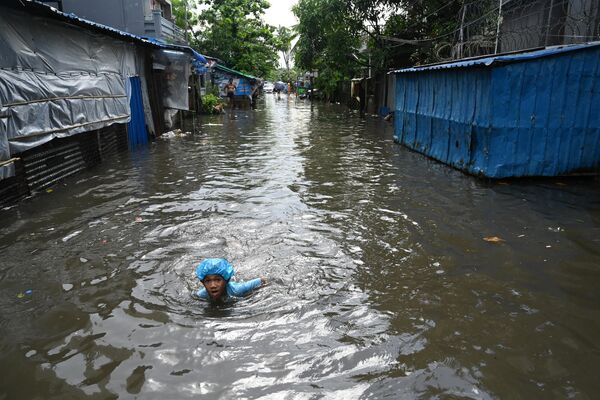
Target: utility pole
[(549, 22), (498, 25), (185, 5), (461, 32)]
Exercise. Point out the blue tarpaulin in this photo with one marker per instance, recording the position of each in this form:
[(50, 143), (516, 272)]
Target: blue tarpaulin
[(198, 60), (136, 128)]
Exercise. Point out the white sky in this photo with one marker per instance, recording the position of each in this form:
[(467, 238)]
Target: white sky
[(280, 13)]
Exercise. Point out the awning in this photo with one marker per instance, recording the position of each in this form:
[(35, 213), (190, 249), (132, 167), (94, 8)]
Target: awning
[(234, 72)]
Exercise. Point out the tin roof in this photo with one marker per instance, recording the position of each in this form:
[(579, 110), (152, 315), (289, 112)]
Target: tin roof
[(486, 61), (234, 72), (40, 9)]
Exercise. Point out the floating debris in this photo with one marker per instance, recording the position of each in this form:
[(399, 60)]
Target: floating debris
[(173, 134), (28, 292), (493, 239), (71, 236)]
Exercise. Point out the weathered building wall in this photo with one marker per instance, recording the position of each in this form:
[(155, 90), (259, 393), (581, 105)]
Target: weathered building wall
[(125, 15), (529, 24)]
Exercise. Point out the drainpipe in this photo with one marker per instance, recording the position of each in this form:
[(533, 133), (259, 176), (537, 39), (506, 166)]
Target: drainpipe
[(125, 27), (157, 16)]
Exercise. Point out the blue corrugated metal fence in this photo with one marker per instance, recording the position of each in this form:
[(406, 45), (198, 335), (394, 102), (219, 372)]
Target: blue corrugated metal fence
[(136, 128), (525, 116)]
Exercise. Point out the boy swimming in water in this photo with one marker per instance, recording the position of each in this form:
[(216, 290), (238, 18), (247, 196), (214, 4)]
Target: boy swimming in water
[(215, 275)]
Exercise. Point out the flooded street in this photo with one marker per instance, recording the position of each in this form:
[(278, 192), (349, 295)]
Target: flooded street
[(380, 282)]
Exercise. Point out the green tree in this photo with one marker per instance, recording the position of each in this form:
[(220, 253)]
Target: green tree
[(327, 40), (425, 30), (284, 38), (284, 74), (233, 31), (184, 15), (342, 38)]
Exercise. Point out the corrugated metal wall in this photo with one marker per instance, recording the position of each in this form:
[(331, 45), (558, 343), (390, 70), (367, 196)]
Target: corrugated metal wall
[(136, 128), (45, 165), (535, 118), (438, 112), (546, 116)]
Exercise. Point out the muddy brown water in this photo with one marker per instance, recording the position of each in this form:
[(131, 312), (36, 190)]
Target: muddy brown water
[(381, 285)]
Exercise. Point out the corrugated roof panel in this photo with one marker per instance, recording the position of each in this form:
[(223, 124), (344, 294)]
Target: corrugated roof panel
[(233, 71), (41, 8), (501, 58)]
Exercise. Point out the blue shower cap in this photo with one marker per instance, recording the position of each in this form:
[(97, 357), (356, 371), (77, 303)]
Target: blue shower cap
[(215, 266)]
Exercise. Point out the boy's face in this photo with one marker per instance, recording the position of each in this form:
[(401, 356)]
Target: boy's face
[(215, 286)]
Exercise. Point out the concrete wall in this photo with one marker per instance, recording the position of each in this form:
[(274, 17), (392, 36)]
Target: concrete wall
[(126, 15), (528, 24), (584, 21), (523, 27)]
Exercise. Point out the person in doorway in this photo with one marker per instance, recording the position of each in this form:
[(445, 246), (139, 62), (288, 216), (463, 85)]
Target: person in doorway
[(362, 95), (254, 95), (215, 275), (230, 91)]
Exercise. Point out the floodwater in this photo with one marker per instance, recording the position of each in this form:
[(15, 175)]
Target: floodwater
[(381, 285)]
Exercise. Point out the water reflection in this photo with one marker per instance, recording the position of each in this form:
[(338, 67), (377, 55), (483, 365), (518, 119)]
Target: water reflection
[(381, 284)]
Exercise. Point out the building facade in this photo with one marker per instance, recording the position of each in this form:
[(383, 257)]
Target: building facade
[(528, 24), (151, 18)]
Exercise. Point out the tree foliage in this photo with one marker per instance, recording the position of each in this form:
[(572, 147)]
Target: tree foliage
[(431, 26), (284, 38), (346, 38), (184, 15), (233, 31), (327, 39)]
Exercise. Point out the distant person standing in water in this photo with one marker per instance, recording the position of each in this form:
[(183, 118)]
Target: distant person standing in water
[(230, 91), (215, 275)]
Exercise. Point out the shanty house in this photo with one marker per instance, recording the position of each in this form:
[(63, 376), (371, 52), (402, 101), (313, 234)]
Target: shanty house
[(72, 91)]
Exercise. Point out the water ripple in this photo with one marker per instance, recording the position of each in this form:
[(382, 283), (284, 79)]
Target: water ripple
[(380, 284)]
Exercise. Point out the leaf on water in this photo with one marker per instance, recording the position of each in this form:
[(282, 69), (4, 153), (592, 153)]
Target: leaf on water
[(493, 239)]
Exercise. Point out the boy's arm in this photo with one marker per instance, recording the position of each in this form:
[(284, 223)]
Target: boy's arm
[(243, 288), (202, 293)]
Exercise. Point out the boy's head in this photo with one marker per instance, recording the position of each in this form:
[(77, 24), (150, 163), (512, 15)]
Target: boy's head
[(215, 273), (230, 80)]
